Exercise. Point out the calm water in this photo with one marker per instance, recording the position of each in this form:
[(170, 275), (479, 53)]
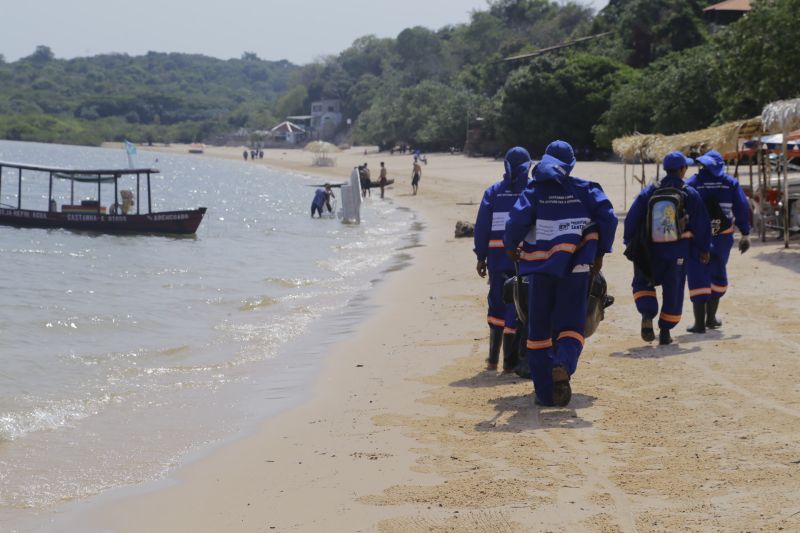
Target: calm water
[(121, 354)]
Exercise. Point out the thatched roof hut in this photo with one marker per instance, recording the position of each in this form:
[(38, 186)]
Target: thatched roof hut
[(723, 138)]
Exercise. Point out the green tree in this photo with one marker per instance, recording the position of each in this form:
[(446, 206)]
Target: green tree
[(759, 59)]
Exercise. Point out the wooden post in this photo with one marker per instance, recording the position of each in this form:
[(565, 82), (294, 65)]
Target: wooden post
[(641, 158), (138, 194), (71, 192), (50, 193), (98, 194), (625, 186), (1, 185), (149, 204), (19, 190), (786, 217), (116, 196)]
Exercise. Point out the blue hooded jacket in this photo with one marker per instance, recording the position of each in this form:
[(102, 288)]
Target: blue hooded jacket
[(696, 238), (498, 200), (563, 222), (712, 183), (320, 197)]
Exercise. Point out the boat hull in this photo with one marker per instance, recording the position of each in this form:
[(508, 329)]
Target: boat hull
[(165, 223)]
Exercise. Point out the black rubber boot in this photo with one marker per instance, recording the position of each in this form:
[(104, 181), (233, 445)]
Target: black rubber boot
[(522, 370), (699, 309), (510, 352), (648, 335), (711, 314), (562, 392), (495, 343), (664, 338)]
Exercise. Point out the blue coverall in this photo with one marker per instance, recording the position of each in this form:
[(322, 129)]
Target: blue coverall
[(490, 226), (564, 223), (711, 281), (668, 260)]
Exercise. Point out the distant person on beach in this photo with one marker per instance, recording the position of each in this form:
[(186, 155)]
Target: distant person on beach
[(416, 174), (366, 181), (727, 205), (383, 178), (322, 198), (490, 226), (666, 225), (565, 225), (244, 154)]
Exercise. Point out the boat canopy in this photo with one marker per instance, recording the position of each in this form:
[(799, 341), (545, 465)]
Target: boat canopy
[(87, 178), (82, 174)]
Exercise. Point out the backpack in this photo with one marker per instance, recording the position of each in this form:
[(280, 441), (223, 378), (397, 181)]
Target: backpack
[(666, 214), (719, 220)]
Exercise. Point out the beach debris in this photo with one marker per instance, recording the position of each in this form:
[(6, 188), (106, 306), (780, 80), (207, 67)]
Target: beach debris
[(464, 229)]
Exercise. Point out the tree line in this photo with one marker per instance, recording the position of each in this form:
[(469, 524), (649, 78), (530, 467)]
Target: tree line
[(660, 68)]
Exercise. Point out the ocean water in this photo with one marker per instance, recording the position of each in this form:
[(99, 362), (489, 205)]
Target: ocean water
[(120, 355)]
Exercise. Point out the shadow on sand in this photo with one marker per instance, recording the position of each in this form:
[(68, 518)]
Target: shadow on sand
[(488, 378), (526, 416), (655, 351)]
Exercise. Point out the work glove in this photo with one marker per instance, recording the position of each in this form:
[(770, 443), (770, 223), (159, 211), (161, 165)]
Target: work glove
[(744, 243)]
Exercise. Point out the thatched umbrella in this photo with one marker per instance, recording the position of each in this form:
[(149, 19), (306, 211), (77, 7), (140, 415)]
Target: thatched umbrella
[(782, 117), (321, 151)]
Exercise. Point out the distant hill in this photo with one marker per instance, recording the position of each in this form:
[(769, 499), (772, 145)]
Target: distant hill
[(158, 96)]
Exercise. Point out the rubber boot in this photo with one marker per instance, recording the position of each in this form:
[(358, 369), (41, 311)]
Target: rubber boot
[(648, 335), (711, 314), (562, 392), (699, 309), (510, 352), (664, 338), (523, 369), (495, 343)]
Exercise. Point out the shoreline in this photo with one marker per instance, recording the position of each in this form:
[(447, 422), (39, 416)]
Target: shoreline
[(404, 431)]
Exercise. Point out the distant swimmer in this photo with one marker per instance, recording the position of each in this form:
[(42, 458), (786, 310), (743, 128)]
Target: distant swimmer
[(490, 226), (565, 226), (727, 205), (667, 224), (416, 174), (322, 198)]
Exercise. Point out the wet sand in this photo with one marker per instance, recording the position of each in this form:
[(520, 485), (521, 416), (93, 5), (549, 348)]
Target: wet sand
[(405, 431)]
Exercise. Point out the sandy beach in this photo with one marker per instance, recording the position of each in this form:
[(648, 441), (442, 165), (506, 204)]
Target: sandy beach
[(405, 431)]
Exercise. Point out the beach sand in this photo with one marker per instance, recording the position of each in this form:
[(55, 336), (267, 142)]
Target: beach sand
[(405, 431)]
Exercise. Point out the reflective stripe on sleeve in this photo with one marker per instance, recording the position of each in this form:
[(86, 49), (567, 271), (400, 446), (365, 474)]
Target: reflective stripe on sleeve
[(496, 243), (541, 255), (539, 345), (494, 321), (719, 288), (642, 294), (572, 335), (702, 290)]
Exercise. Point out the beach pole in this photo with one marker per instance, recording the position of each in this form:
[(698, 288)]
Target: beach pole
[(98, 194), (50, 193), (149, 203), (784, 150), (19, 190), (625, 186), (1, 185)]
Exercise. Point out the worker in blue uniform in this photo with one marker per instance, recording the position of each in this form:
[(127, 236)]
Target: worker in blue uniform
[(669, 219), (322, 198), (565, 225), (490, 226), (727, 205)]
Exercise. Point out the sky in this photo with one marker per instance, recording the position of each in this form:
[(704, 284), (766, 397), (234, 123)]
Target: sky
[(297, 30)]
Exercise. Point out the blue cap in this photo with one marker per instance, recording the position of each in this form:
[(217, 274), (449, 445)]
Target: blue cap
[(713, 162), (676, 160), (517, 160)]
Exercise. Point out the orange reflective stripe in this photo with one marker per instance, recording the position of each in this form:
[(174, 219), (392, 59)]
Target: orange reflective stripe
[(719, 288), (541, 255), (727, 231), (687, 235), (703, 290), (642, 294), (572, 335), (539, 345), (509, 331), (496, 243), (666, 317), (494, 321)]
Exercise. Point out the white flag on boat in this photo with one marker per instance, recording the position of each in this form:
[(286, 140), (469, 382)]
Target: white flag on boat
[(130, 149)]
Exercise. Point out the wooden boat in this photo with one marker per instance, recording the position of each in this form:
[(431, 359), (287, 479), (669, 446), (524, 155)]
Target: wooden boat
[(197, 148), (90, 215)]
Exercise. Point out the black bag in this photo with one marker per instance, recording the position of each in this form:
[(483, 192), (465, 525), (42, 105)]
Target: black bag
[(638, 252), (719, 220)]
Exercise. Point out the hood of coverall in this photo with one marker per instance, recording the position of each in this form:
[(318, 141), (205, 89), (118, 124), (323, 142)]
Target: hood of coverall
[(517, 164), (712, 163), (557, 162)]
